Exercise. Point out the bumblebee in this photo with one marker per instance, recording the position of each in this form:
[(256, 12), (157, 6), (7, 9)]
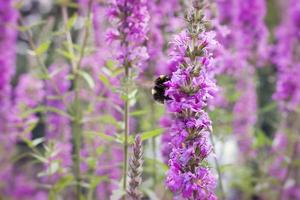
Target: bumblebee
[(158, 91)]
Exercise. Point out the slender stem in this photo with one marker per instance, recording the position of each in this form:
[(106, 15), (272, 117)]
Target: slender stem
[(127, 66), (77, 122), (77, 132), (126, 131), (218, 170), (153, 141)]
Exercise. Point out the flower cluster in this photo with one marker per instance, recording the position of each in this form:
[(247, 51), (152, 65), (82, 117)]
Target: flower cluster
[(244, 48), (58, 130), (8, 19), (251, 35), (132, 19), (245, 116), (286, 57), (190, 89)]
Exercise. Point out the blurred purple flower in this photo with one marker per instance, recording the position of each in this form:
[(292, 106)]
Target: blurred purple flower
[(285, 56), (131, 18)]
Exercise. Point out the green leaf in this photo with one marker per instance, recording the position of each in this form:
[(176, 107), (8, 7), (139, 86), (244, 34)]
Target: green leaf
[(37, 141), (63, 183), (268, 108), (121, 139), (111, 64), (225, 167), (108, 119), (95, 180), (30, 126), (66, 54), (150, 194), (104, 80), (39, 158), (88, 78), (44, 109), (150, 134), (28, 27), (42, 48), (100, 150), (101, 135), (91, 161), (132, 94), (117, 72), (162, 166), (71, 22), (53, 168), (261, 139), (138, 113)]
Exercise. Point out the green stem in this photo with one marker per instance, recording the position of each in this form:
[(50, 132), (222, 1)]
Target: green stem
[(76, 125), (77, 132), (77, 122), (126, 130), (218, 170), (153, 141)]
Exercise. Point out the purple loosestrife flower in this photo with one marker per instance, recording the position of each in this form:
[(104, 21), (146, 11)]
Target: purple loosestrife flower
[(8, 35), (93, 65), (58, 130), (245, 47), (245, 116), (286, 57), (279, 146), (132, 19), (166, 138), (165, 20), (190, 90), (109, 162), (28, 94), (251, 34), (29, 91), (15, 184)]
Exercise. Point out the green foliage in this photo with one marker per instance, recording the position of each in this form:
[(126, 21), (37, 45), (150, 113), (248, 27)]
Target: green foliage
[(71, 22), (261, 140), (42, 48), (150, 134), (87, 77)]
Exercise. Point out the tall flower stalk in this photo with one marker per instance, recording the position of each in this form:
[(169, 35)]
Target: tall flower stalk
[(191, 88), (131, 17), (8, 35), (76, 107), (286, 142), (136, 169)]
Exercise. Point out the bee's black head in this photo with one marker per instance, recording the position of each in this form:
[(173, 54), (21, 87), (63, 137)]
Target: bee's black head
[(159, 89)]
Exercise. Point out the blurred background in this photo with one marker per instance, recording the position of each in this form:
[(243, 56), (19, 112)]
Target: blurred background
[(255, 114)]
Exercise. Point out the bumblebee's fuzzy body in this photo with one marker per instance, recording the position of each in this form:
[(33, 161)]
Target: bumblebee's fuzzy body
[(159, 89)]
